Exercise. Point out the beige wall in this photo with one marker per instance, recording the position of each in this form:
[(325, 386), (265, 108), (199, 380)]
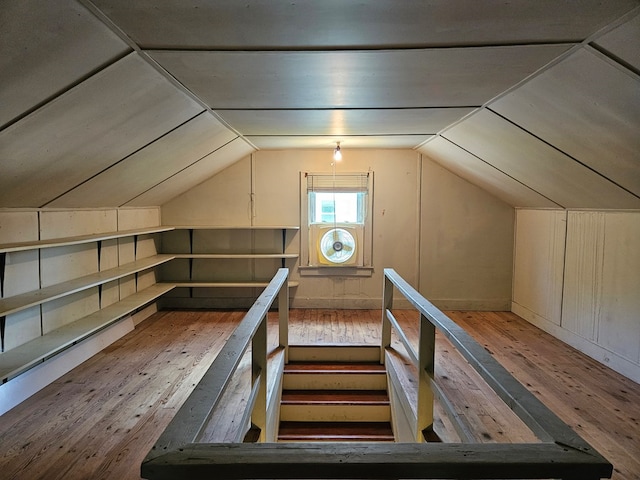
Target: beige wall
[(442, 234), (577, 276)]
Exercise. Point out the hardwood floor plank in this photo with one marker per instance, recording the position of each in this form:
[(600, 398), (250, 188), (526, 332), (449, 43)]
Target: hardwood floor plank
[(100, 419)]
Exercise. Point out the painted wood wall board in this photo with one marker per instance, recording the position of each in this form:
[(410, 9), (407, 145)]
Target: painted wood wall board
[(276, 142), (539, 262), (536, 164), (588, 108), (622, 42), (145, 280), (68, 309), (223, 270), (132, 218), (60, 264), (109, 254), (364, 79), (146, 246), (21, 273), (110, 294), (18, 226), (582, 296), (126, 254), (457, 236), (86, 130), (230, 191), (194, 175), (176, 241), (70, 223), (22, 327), (482, 174), (619, 328), (41, 54), (177, 270), (148, 167), (222, 241), (408, 121), (377, 23)]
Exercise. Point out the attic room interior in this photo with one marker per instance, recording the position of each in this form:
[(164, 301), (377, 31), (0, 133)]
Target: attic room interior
[(163, 164)]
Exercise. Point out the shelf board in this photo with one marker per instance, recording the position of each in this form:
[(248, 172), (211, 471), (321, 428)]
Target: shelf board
[(253, 284), (235, 227), (25, 300), (235, 255), (61, 242), (26, 356)]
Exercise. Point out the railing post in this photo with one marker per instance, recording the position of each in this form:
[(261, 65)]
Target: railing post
[(259, 370), (426, 362), (283, 320), (387, 304)]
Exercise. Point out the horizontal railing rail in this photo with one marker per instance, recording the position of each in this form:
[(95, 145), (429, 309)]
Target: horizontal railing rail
[(560, 454)]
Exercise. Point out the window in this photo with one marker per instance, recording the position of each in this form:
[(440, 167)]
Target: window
[(336, 222)]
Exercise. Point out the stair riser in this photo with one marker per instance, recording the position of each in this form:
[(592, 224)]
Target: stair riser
[(334, 354), (335, 413), (335, 439), (333, 381)]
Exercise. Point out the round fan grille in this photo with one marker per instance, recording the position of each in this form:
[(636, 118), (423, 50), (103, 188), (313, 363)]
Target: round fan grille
[(337, 245)]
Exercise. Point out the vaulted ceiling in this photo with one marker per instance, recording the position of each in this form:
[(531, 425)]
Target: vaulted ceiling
[(120, 102)]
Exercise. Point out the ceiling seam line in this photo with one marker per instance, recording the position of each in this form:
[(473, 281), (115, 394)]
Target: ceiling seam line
[(348, 48), (182, 170), (54, 96), (328, 109), (502, 171), (614, 58), (557, 149), (122, 159)]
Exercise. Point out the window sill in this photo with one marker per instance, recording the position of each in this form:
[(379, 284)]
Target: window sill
[(335, 271)]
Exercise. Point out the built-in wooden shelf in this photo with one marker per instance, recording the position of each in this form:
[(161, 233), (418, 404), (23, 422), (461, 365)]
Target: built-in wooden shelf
[(21, 358), (252, 284), (235, 227), (61, 242), (235, 255), (22, 301)]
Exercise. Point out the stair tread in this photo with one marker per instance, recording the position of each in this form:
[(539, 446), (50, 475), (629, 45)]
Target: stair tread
[(333, 368), (332, 397), (336, 431)]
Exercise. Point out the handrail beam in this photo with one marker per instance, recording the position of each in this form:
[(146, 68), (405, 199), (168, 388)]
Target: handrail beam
[(191, 419)]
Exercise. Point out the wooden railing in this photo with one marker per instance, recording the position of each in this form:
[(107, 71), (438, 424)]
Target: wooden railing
[(560, 454)]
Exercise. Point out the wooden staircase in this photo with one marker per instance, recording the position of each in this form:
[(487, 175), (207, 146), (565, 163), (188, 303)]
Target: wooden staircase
[(336, 394)]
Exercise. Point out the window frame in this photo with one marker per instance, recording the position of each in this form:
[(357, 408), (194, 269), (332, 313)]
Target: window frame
[(341, 184)]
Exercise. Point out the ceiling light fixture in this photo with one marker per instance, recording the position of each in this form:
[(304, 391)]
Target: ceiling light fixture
[(337, 154)]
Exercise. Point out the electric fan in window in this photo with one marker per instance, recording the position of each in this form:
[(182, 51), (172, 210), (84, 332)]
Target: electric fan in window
[(337, 246)]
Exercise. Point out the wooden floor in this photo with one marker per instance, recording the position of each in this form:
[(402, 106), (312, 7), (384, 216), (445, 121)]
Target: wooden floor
[(100, 420)]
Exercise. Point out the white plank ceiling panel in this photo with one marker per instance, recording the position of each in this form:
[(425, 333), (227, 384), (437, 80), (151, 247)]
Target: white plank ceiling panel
[(329, 24), (46, 48), (104, 119), (458, 77), (194, 174), (622, 42), (484, 175), (274, 142), (150, 166), (582, 107), (536, 164), (411, 121)]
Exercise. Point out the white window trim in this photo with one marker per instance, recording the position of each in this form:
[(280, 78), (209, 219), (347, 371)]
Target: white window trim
[(336, 270)]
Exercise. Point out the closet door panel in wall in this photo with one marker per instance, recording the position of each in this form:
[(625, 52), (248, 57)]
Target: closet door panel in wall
[(619, 324), (539, 264), (583, 273)]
